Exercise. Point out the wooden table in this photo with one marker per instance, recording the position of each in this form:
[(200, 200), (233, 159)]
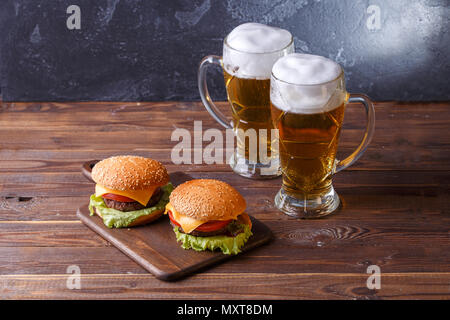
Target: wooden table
[(396, 208)]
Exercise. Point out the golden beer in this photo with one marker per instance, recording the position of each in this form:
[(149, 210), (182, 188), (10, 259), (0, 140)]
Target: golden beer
[(308, 100), (308, 145), (250, 109), (249, 52)]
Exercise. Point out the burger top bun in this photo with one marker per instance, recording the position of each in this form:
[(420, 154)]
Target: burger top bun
[(207, 199), (129, 173)]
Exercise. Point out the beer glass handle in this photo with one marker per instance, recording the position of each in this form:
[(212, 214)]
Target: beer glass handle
[(204, 93), (370, 113)]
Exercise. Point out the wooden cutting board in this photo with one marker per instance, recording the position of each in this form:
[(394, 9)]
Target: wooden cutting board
[(155, 248)]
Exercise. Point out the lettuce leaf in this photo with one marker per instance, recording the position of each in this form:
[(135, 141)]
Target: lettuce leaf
[(228, 245), (113, 218)]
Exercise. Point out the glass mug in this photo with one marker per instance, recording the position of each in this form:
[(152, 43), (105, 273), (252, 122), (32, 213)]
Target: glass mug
[(249, 97), (308, 144)]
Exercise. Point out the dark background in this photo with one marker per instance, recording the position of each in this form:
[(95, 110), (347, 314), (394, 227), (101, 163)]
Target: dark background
[(133, 50)]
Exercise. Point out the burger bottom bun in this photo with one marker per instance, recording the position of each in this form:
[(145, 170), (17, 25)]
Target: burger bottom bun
[(142, 219)]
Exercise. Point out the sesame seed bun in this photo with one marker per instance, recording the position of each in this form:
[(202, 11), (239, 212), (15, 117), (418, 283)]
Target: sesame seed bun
[(207, 199), (142, 219), (129, 173)]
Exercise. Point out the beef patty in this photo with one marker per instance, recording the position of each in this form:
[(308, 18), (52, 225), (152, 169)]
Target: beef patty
[(133, 206)]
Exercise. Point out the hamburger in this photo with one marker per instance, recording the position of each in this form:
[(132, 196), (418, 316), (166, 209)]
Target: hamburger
[(209, 214), (129, 191)]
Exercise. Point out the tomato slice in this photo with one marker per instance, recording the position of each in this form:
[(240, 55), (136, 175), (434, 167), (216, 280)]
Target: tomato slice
[(212, 225), (206, 227), (117, 197), (172, 219)]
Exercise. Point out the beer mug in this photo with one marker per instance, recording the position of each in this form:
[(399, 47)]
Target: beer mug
[(249, 53), (308, 100)]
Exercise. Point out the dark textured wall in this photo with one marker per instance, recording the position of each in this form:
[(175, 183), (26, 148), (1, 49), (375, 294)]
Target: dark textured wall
[(150, 50)]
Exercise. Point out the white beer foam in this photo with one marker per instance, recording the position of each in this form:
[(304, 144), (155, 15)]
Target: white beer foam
[(306, 84), (251, 49)]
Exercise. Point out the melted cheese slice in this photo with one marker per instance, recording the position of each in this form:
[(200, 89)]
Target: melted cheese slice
[(141, 196), (187, 223)]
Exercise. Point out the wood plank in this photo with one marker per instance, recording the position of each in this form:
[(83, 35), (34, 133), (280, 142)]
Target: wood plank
[(280, 256), (153, 116), (291, 233), (83, 138), (229, 286), (48, 234), (420, 183), (53, 162), (367, 207), (378, 157)]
